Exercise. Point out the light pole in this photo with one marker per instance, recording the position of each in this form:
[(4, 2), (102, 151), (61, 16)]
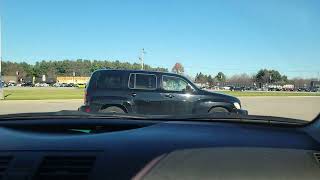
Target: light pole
[(141, 58), (1, 85)]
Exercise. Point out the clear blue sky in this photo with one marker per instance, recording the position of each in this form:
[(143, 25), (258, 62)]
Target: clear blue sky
[(209, 36)]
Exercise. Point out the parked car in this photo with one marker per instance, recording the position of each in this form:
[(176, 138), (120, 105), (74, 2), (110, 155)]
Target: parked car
[(63, 85), (11, 83), (80, 85), (227, 88), (288, 87), (71, 85), (274, 88), (251, 88), (27, 84), (315, 89), (56, 85), (237, 89), (156, 93), (4, 84), (41, 85), (303, 89), (45, 85), (37, 85)]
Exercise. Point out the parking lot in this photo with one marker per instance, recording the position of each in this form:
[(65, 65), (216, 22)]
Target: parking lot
[(305, 108)]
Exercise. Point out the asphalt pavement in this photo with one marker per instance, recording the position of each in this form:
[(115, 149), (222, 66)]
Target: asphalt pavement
[(305, 108), (298, 107)]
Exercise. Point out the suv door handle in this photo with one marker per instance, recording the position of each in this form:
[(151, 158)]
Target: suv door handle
[(133, 94), (169, 95)]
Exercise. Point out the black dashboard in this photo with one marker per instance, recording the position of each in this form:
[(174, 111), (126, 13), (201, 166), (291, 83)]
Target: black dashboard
[(122, 149)]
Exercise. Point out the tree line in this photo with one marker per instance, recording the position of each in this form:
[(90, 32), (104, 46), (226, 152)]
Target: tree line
[(208, 79), (82, 67), (263, 76), (79, 67)]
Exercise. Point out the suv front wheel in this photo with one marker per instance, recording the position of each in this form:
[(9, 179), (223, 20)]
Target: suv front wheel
[(218, 109)]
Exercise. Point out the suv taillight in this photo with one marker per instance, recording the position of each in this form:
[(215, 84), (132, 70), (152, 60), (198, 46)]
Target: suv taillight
[(87, 109), (85, 98)]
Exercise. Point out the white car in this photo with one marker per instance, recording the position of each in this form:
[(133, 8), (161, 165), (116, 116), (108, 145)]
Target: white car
[(44, 85), (226, 88), (37, 85)]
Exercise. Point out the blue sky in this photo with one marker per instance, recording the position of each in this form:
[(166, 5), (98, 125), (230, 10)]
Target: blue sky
[(208, 36)]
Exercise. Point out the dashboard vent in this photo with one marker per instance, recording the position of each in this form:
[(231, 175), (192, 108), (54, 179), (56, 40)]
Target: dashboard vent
[(4, 163), (317, 156), (65, 167)]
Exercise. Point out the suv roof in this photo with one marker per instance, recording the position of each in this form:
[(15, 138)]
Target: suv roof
[(141, 71), (126, 73)]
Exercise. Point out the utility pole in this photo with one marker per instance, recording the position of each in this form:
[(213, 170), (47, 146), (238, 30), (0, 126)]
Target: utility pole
[(141, 58), (1, 85)]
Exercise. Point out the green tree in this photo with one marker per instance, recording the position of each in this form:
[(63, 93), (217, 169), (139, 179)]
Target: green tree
[(284, 79), (221, 77), (275, 76), (261, 76), (200, 78), (269, 76), (210, 80)]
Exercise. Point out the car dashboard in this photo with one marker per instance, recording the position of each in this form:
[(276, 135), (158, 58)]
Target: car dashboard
[(142, 149)]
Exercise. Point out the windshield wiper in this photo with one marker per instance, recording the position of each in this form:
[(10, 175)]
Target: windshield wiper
[(229, 117), (232, 117), (69, 115)]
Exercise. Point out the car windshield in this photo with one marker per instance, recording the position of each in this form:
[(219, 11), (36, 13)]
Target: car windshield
[(168, 58)]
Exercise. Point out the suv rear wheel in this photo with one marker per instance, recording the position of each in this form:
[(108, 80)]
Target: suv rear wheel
[(112, 109), (218, 109)]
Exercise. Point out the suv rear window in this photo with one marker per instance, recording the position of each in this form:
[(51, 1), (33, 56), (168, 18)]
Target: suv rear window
[(108, 80), (143, 81)]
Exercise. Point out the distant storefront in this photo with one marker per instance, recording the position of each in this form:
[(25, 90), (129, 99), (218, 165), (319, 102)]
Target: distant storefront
[(71, 79), (315, 84)]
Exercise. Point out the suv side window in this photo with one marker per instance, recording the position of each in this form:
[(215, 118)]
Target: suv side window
[(109, 80), (172, 83), (142, 81)]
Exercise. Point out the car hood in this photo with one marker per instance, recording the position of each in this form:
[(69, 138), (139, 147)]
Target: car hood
[(220, 95)]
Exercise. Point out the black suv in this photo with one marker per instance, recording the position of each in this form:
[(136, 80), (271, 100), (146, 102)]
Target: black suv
[(153, 93)]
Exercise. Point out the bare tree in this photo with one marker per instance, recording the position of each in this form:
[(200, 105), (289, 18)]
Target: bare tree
[(243, 79), (301, 82), (178, 68)]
